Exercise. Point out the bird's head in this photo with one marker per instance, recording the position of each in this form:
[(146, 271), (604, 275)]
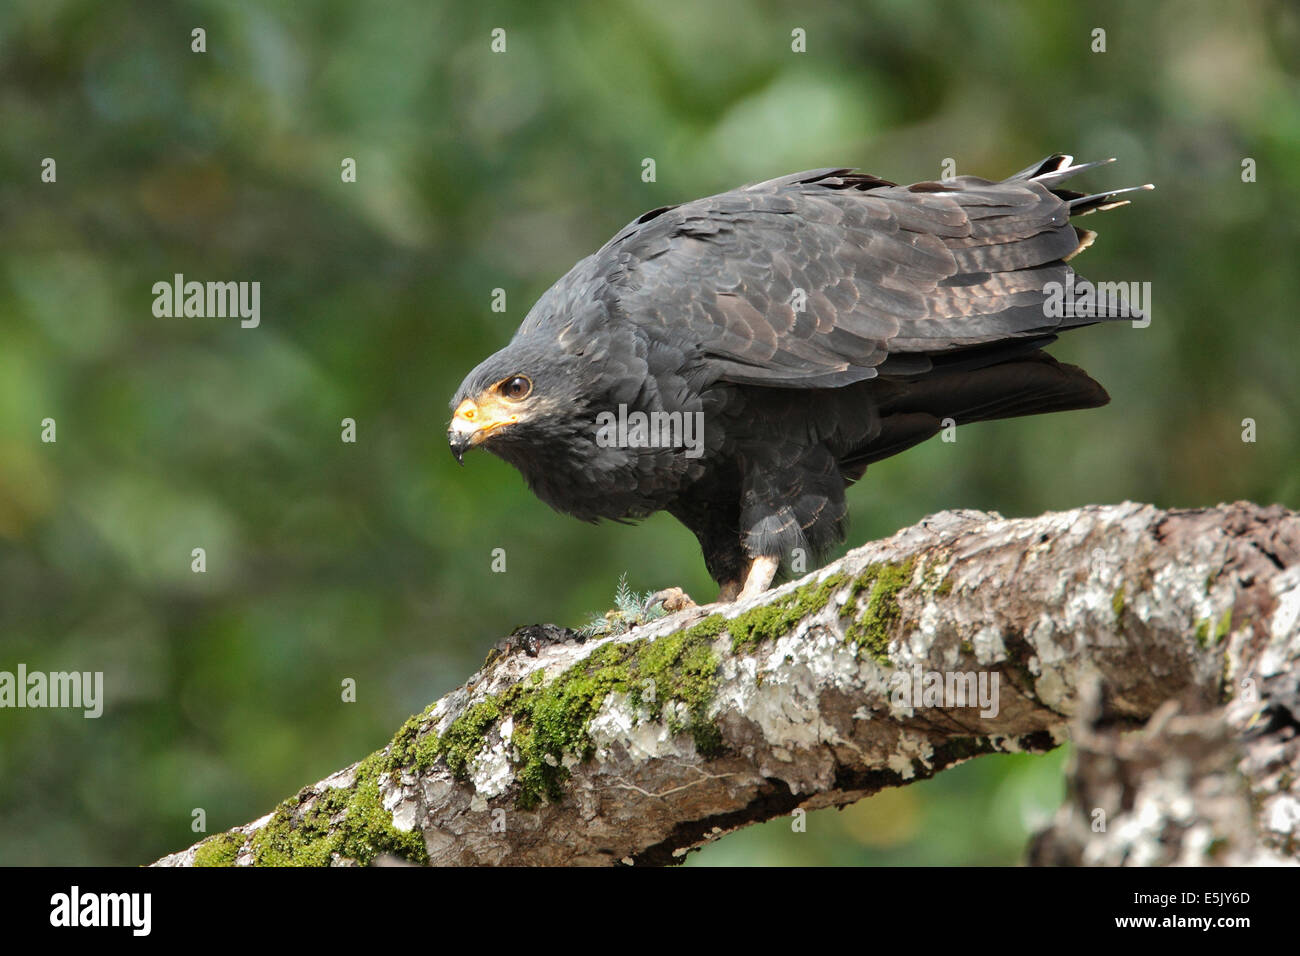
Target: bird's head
[(519, 401)]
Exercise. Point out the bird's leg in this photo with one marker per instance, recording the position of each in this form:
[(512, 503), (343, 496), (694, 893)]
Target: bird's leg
[(759, 578), (729, 591)]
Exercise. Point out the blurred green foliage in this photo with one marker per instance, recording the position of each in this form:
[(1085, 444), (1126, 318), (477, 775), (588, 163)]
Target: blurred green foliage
[(479, 171)]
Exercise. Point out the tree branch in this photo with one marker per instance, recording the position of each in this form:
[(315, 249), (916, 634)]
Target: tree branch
[(866, 674)]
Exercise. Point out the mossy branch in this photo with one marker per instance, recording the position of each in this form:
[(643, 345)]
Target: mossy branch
[(964, 635)]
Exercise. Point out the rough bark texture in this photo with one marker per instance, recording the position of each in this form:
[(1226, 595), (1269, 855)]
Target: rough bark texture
[(638, 747)]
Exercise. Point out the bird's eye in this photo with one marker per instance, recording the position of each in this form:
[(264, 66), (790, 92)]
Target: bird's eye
[(517, 388)]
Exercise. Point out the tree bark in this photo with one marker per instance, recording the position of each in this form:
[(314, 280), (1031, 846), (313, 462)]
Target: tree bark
[(639, 747)]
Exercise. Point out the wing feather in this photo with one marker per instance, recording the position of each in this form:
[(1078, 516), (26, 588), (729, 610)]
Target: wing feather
[(816, 279)]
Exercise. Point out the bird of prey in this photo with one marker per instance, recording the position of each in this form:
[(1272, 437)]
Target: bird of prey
[(739, 360)]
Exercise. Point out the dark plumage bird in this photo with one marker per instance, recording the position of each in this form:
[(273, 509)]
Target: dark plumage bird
[(777, 340)]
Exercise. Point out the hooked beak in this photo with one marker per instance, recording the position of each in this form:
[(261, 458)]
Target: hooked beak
[(459, 444), (473, 422)]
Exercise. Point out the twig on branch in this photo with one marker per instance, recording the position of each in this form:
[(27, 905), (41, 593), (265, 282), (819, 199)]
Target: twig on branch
[(963, 635)]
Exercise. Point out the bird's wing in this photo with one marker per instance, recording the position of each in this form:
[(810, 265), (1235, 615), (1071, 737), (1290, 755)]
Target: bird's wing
[(887, 276)]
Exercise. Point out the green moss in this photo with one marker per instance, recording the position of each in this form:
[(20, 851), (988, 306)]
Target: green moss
[(463, 740), (871, 628), (1210, 632), (709, 628), (402, 747), (221, 850), (752, 628), (552, 721), (348, 821), (1117, 603), (933, 582)]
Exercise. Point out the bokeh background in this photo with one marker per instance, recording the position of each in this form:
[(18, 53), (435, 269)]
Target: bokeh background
[(479, 171)]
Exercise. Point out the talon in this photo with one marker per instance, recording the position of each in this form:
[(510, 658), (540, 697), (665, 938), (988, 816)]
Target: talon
[(672, 600)]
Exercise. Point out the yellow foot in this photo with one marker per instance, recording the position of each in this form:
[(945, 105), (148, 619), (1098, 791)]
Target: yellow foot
[(672, 600), (761, 572)]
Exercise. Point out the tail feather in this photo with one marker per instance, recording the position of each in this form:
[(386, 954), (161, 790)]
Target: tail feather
[(1082, 205), (911, 412), (1059, 167)]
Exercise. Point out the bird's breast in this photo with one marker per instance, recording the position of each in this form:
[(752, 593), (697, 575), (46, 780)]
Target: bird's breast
[(632, 464)]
